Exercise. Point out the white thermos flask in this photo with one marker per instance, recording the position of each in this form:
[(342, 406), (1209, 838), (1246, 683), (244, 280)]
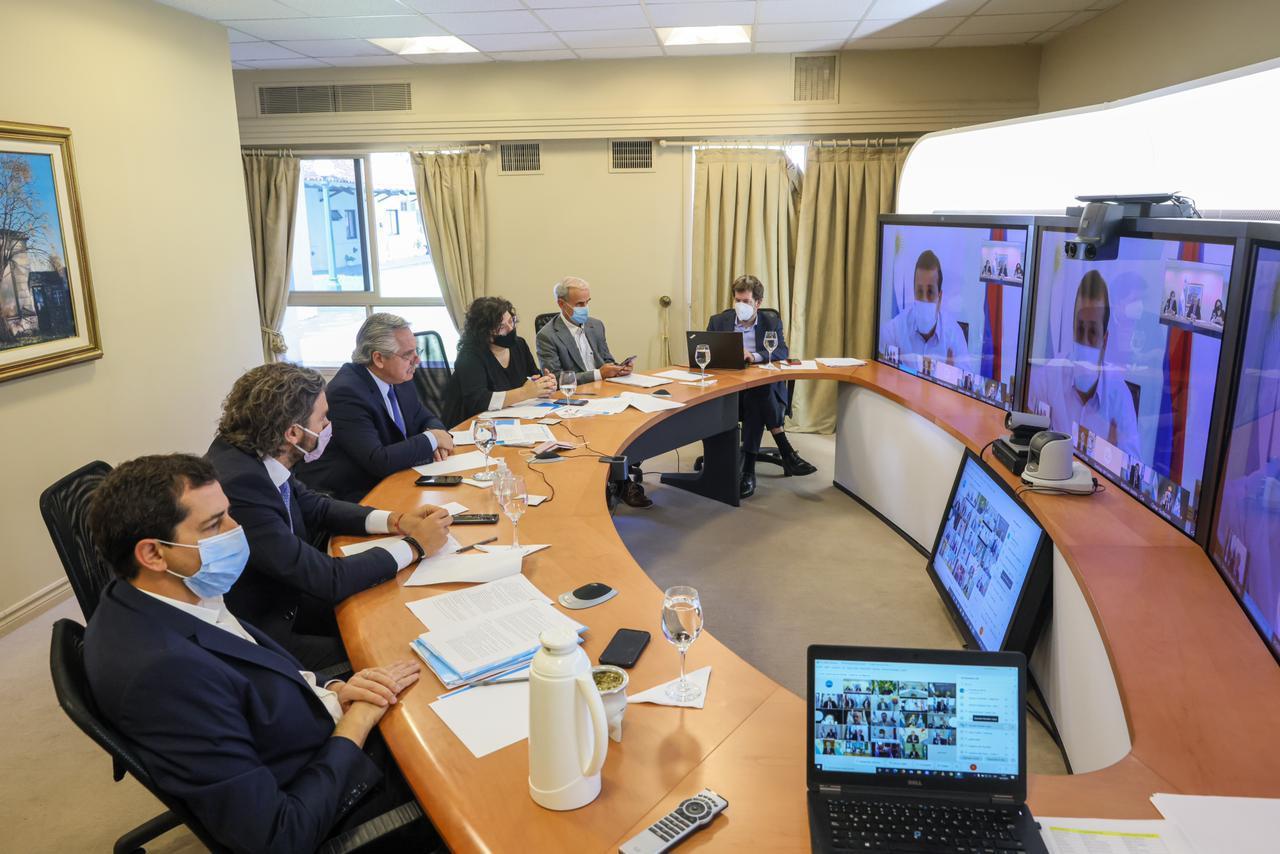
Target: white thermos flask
[(568, 732)]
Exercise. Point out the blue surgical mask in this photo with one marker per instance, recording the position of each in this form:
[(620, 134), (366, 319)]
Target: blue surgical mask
[(222, 559), (580, 314)]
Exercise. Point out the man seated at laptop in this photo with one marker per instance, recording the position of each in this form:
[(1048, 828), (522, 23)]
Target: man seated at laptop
[(379, 425), (223, 718), (275, 417), (574, 341), (762, 406)]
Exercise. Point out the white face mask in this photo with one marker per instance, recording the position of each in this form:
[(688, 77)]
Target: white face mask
[(322, 439), (744, 310), (1087, 367), (926, 317)]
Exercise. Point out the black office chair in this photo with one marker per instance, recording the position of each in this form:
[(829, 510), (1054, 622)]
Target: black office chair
[(65, 508), (542, 320), (71, 685), (432, 375)]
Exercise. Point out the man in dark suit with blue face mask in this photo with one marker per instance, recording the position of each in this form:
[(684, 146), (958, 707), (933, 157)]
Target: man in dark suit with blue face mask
[(223, 718), (762, 406)]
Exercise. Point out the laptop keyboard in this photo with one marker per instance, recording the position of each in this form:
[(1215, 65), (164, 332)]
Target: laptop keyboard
[(866, 825)]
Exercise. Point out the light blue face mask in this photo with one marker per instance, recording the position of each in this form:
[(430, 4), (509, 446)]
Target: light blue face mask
[(222, 559), (580, 314)]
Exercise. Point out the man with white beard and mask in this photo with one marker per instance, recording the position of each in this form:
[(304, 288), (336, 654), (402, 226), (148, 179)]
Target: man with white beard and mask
[(1089, 392), (925, 328)]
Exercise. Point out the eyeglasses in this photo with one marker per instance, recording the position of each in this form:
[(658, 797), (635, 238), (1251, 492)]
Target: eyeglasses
[(408, 355), (503, 328)]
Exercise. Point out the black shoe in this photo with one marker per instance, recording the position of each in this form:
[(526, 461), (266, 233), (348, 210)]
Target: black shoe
[(747, 486), (772, 458), (795, 465), (633, 495)]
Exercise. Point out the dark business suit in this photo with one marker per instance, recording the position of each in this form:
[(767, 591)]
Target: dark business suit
[(558, 351), (229, 728), (290, 587), (367, 445), (762, 406)]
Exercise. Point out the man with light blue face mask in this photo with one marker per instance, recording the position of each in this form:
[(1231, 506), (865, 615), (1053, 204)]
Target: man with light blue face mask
[(924, 327), (223, 718)]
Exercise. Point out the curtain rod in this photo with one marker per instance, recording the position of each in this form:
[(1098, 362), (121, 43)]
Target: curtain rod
[(865, 142), (268, 152), (482, 146)]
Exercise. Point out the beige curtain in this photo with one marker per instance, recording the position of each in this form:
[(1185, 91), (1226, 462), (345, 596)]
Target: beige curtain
[(834, 299), (744, 221), (271, 188), (451, 196)]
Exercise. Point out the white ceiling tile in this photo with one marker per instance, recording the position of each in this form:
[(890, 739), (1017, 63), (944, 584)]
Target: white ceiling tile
[(533, 55), (326, 48), (261, 50), (910, 28), (706, 49), (796, 11), (344, 8), (617, 52), (990, 40), (1077, 19), (298, 29), (365, 61), (446, 58), (702, 14), (568, 4), (609, 38), (837, 30), (431, 7), (1013, 7), (485, 23), (220, 10), (923, 8), (516, 41), (983, 25), (287, 63), (236, 37), (800, 46), (1045, 38), (602, 18), (892, 44)]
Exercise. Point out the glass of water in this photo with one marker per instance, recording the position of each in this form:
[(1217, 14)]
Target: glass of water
[(515, 499), (702, 355), (771, 344), (568, 383), (682, 623), (485, 432)]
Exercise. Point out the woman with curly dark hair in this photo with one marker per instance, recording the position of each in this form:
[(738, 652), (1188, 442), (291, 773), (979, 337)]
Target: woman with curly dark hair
[(495, 367)]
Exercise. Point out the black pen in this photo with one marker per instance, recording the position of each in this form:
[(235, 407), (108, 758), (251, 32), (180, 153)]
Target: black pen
[(473, 545)]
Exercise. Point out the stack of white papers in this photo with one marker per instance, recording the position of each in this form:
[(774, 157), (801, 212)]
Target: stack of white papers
[(455, 463), (677, 374), (490, 717), (841, 361), (471, 568), (1110, 836), (649, 403), (805, 365), (531, 410), (449, 609), (641, 380), (599, 406), (1212, 824)]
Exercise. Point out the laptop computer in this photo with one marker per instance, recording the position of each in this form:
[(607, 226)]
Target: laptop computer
[(726, 349), (918, 750)]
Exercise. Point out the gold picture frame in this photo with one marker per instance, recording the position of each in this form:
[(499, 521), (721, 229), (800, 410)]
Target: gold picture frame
[(48, 318)]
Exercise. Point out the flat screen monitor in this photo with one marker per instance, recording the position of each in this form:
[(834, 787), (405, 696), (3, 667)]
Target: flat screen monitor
[(1124, 359), (950, 304), (1245, 545), (990, 561)]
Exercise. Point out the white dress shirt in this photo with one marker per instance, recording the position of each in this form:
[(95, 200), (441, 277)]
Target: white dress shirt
[(384, 389), (215, 613), (377, 522), (579, 334)]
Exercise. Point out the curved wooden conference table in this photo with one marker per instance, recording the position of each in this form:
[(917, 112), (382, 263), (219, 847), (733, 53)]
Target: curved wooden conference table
[(1200, 691)]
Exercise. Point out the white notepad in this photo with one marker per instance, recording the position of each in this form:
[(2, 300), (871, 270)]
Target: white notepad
[(453, 464), (449, 609), (649, 403), (641, 380), (677, 374)]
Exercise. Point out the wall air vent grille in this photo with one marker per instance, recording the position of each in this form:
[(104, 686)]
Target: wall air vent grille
[(520, 158), (815, 77), (340, 98), (631, 155)]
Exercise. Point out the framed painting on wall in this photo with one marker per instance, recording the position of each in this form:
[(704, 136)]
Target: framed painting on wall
[(47, 315)]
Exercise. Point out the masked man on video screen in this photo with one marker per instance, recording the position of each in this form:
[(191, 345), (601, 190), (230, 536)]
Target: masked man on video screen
[(1089, 392), (925, 328)]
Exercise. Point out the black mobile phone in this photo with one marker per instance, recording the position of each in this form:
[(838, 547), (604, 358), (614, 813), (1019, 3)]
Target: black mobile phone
[(439, 480), (476, 519), (625, 648)]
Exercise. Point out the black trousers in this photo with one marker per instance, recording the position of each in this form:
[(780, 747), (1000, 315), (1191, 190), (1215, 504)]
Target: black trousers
[(759, 408), (390, 792)]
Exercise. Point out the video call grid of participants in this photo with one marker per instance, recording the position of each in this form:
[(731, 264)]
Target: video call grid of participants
[(887, 719), (1167, 497), (972, 542)]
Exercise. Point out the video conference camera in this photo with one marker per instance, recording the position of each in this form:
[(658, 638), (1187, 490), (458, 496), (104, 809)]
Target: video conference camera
[(1101, 216), (1012, 450)]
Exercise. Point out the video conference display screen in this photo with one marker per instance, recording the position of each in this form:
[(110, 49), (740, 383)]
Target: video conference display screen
[(985, 554), (951, 305), (1124, 360), (1245, 544)]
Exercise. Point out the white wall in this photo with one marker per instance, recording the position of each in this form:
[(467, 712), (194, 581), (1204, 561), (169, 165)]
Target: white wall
[(146, 92)]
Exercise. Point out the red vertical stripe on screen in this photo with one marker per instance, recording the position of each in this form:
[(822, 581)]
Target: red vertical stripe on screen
[(995, 315), (1180, 377)]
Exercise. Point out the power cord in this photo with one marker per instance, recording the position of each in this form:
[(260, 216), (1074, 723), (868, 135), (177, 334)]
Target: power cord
[(528, 459), (1098, 486), (985, 448)]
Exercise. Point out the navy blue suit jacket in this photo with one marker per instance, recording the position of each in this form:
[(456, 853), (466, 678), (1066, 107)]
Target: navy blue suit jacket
[(283, 564), (724, 321), (367, 445), (227, 727)]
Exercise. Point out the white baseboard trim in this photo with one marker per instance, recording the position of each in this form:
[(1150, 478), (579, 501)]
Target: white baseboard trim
[(33, 605)]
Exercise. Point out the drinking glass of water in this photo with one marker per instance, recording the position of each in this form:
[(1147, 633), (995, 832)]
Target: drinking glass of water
[(682, 623), (568, 382), (702, 355), (515, 499), (485, 432), (771, 344)]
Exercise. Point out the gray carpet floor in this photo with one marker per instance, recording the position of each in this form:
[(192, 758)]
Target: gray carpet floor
[(799, 563)]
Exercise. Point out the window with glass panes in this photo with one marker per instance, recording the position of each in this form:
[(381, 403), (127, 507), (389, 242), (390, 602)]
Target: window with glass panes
[(359, 247)]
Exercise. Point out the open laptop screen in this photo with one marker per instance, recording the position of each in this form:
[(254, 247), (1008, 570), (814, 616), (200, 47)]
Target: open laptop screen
[(940, 722)]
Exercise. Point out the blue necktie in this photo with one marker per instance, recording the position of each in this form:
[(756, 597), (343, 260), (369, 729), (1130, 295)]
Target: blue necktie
[(286, 492), (395, 410)]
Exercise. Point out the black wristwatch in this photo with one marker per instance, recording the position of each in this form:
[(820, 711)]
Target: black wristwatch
[(418, 551)]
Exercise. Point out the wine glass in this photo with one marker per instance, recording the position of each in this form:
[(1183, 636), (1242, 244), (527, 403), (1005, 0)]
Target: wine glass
[(682, 623), (514, 498), (568, 382), (702, 355), (485, 432), (771, 344)]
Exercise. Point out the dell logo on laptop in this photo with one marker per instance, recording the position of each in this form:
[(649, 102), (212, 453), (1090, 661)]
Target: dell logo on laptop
[(914, 783)]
